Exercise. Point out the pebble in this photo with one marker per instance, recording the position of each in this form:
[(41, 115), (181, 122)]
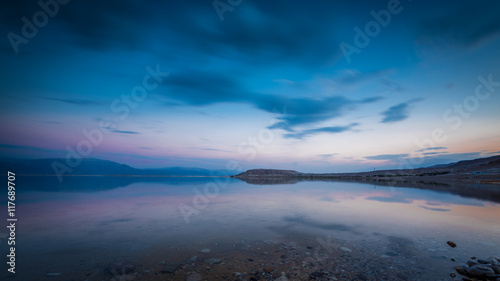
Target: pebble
[(269, 269), (461, 269), (194, 277), (282, 277), (345, 249), (172, 267), (121, 267), (213, 261), (204, 251)]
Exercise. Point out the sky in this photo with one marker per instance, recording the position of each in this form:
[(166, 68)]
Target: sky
[(322, 86)]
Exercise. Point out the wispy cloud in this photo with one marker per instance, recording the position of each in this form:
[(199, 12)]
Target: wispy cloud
[(327, 155), (331, 130), (432, 148), (398, 112), (435, 209), (434, 153), (355, 76), (391, 157), (215, 149), (82, 102), (126, 132)]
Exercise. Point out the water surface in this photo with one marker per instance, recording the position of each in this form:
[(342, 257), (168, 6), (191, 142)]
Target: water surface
[(352, 231)]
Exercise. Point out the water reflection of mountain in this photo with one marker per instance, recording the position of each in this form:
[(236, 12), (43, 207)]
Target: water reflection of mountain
[(99, 183), (102, 183), (478, 191)]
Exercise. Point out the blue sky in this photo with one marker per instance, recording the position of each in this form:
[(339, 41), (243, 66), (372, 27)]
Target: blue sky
[(327, 86)]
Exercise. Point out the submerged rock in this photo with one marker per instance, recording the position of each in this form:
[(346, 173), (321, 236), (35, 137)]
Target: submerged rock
[(479, 271), (172, 267), (495, 268), (204, 251), (462, 270), (451, 244), (194, 277), (345, 249), (213, 261), (282, 277), (121, 267), (471, 263)]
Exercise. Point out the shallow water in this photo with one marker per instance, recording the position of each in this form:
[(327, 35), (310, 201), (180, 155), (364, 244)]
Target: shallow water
[(80, 228)]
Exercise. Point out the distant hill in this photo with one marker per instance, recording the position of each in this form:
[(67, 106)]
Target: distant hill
[(484, 166), (92, 166), (268, 172)]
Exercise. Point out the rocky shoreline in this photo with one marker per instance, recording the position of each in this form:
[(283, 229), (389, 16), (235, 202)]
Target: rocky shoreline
[(287, 260), (479, 269)]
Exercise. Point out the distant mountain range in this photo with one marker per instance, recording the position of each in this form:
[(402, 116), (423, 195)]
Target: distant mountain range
[(92, 166), (489, 166)]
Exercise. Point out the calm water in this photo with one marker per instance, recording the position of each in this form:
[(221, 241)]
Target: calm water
[(77, 229)]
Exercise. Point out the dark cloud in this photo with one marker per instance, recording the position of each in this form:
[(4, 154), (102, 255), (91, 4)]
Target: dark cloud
[(95, 24), (199, 88), (310, 132), (398, 112), (469, 24), (203, 88), (256, 31), (303, 111), (391, 157), (260, 32)]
